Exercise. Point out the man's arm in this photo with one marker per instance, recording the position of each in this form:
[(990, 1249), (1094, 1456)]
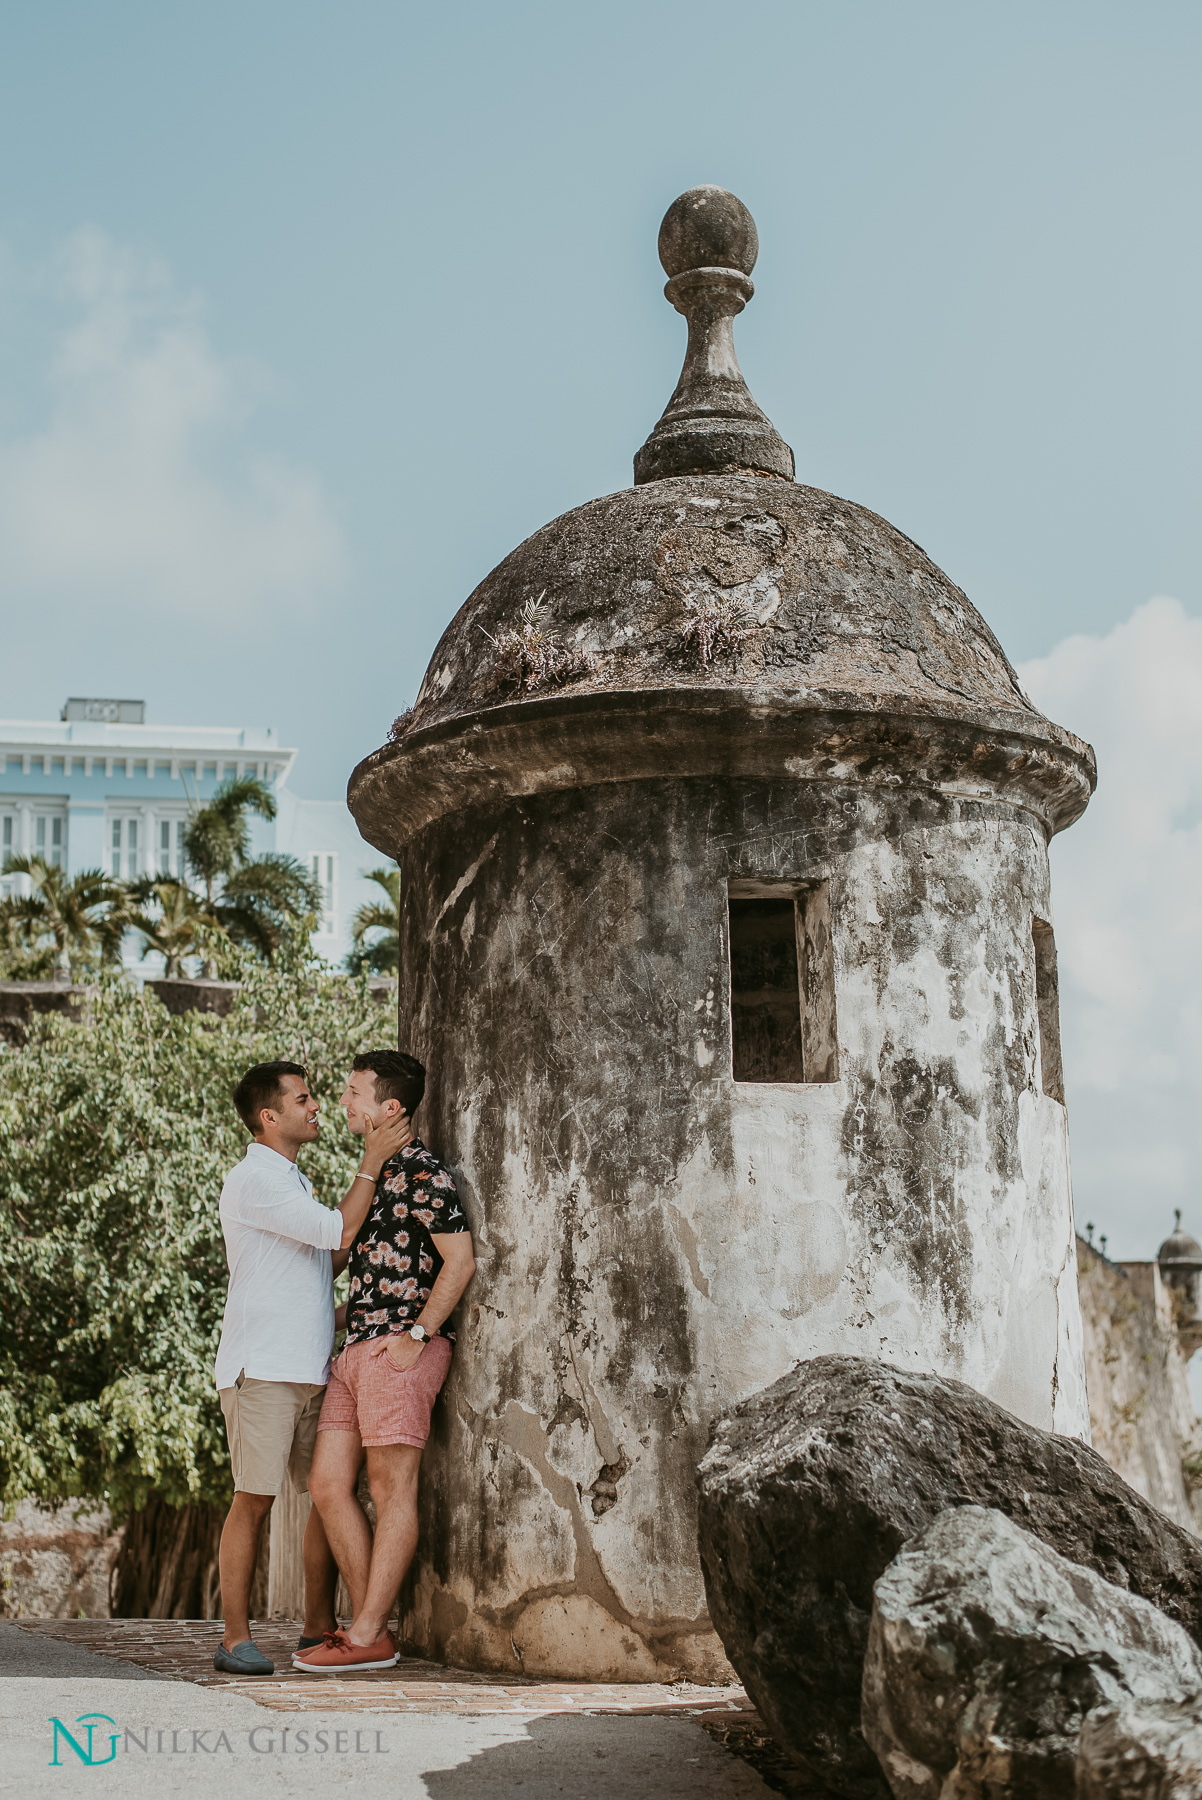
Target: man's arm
[(295, 1214), (379, 1143), (458, 1267)]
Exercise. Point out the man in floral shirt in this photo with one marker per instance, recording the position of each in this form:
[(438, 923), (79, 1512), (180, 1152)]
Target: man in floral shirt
[(408, 1266)]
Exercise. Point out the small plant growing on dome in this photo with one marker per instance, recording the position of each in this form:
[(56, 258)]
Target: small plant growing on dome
[(528, 655), (400, 725), (714, 626)]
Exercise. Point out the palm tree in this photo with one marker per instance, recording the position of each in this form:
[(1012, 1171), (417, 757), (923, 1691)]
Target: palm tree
[(82, 918), (217, 837), (250, 900), (179, 927), (382, 955), (265, 898)]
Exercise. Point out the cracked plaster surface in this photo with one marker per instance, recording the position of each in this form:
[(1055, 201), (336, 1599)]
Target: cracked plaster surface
[(658, 1241)]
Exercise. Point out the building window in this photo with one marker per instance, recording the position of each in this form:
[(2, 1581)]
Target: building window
[(124, 848), (50, 838), (324, 865), (169, 849), (9, 840), (1047, 1007), (782, 983)]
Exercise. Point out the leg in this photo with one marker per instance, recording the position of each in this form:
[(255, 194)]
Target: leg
[(321, 1579), (392, 1470), (321, 1571), (236, 1560), (333, 1480)]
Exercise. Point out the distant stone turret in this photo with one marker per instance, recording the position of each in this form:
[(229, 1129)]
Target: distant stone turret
[(1180, 1261), (726, 934)]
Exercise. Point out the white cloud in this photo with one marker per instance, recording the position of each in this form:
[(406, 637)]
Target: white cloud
[(135, 487), (1127, 885)]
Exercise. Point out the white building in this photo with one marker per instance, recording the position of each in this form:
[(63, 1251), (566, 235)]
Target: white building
[(100, 787)]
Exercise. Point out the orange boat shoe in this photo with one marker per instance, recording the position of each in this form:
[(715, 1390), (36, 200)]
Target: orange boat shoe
[(336, 1652)]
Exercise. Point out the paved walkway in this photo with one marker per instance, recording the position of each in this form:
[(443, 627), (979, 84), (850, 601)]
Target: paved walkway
[(182, 1650), (143, 1698)]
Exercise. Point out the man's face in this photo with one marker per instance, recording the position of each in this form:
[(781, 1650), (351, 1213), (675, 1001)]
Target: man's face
[(294, 1115), (359, 1099)]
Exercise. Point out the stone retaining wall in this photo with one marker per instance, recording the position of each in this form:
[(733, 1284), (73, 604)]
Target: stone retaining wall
[(1141, 1410), (55, 1563)]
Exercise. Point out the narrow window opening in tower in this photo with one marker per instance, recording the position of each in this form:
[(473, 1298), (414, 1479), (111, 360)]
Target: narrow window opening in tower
[(1047, 1006), (782, 987)]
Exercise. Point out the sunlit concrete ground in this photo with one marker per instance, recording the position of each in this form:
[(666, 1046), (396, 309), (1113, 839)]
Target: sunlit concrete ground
[(421, 1733)]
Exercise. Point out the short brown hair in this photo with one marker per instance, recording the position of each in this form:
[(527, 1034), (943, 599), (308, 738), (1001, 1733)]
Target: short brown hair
[(398, 1077), (260, 1087)]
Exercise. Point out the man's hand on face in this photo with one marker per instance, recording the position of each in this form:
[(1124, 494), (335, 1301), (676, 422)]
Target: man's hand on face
[(401, 1350), (384, 1140)]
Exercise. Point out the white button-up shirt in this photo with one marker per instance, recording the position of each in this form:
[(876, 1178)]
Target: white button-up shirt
[(279, 1312)]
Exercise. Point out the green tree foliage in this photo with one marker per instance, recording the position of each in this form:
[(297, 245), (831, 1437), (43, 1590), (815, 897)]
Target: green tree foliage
[(115, 1137), (379, 955), (80, 921)]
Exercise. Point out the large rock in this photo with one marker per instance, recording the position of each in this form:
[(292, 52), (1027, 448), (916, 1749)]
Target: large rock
[(1141, 1750), (986, 1653), (811, 1488)]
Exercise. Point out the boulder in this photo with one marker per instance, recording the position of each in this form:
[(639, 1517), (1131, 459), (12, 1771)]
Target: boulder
[(810, 1489), (1141, 1750), (987, 1651)]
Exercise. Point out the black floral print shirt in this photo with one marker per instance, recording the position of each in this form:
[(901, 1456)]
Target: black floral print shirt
[(393, 1263)]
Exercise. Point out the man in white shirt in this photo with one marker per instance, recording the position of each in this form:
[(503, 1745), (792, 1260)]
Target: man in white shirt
[(273, 1361)]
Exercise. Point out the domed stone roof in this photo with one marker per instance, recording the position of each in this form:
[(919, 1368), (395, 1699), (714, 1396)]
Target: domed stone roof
[(717, 617), (1179, 1247), (823, 602)]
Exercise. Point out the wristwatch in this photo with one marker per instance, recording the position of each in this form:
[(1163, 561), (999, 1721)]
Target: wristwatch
[(420, 1333)]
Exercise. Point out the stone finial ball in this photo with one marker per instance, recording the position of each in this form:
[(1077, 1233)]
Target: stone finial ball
[(707, 228)]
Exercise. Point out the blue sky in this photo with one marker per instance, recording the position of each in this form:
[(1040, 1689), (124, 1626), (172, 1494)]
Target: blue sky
[(419, 244), (309, 313)]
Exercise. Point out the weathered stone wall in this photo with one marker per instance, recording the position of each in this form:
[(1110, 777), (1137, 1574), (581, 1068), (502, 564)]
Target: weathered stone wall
[(55, 1563), (657, 1241), (1142, 1413)]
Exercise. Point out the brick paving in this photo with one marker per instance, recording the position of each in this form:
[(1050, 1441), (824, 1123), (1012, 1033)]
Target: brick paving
[(182, 1650)]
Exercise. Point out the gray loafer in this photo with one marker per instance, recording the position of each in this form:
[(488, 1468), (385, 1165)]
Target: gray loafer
[(244, 1659)]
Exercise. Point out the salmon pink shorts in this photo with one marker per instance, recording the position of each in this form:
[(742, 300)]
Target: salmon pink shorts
[(384, 1404)]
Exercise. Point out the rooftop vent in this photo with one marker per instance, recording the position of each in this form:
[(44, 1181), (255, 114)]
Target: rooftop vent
[(106, 712)]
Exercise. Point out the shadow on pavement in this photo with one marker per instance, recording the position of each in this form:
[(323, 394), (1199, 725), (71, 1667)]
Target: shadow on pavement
[(601, 1757), (745, 1736), (29, 1653)]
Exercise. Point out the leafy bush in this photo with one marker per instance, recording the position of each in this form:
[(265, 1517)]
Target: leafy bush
[(115, 1137)]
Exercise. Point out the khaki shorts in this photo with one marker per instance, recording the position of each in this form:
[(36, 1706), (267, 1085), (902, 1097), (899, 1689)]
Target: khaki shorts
[(271, 1427)]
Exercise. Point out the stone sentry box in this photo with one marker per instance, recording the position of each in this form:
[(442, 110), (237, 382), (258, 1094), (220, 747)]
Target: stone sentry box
[(723, 823)]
